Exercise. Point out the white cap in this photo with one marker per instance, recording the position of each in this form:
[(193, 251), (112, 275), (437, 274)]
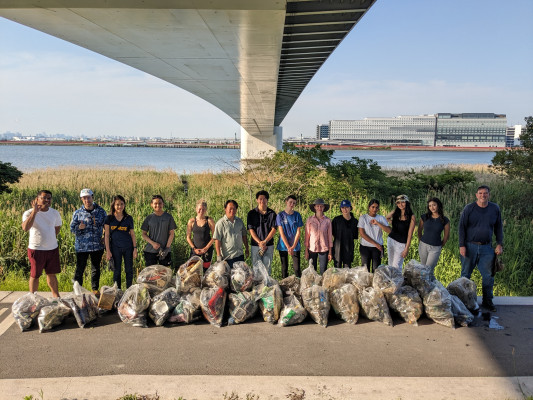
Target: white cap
[(86, 192)]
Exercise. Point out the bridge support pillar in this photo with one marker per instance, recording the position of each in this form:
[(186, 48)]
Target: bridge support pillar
[(259, 146)]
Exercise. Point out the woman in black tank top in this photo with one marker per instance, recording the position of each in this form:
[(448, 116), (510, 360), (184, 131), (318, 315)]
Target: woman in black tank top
[(403, 224), (200, 234)]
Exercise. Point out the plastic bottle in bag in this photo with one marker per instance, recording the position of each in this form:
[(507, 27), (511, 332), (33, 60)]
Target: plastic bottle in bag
[(293, 312), (242, 306), (317, 304)]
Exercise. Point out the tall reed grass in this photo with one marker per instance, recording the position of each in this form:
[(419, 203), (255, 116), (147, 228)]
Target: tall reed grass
[(138, 185)]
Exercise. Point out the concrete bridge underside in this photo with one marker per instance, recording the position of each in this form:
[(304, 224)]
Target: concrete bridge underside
[(249, 58)]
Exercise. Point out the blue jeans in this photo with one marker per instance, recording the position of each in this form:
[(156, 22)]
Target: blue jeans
[(266, 258), (118, 254), (482, 256)]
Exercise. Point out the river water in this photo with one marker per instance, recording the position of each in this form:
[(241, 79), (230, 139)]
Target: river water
[(33, 157)]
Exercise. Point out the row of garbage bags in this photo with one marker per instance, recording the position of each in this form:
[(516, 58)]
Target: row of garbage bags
[(191, 294)]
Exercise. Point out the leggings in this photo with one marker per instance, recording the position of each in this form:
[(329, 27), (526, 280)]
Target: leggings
[(370, 257), (284, 257)]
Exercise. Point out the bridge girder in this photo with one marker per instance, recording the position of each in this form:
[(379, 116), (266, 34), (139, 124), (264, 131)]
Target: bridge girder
[(250, 58)]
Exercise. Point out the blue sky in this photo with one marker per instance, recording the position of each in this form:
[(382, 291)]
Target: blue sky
[(403, 58)]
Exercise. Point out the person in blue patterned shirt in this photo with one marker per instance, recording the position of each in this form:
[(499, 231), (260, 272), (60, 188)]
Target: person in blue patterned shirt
[(88, 226)]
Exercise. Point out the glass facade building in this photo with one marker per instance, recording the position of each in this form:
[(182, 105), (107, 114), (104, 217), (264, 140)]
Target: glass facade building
[(417, 130), (471, 130), (322, 132)]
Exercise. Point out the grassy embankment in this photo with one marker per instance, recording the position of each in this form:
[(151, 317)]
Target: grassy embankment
[(137, 186)]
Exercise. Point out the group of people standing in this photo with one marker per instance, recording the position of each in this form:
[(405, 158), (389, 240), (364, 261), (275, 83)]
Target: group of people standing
[(324, 239)]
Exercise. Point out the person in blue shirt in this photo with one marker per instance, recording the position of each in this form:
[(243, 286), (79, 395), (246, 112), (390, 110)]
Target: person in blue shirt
[(479, 221), (88, 226), (289, 224)]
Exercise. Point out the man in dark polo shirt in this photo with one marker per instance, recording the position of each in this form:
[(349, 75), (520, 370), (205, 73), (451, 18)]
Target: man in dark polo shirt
[(262, 226), (479, 221)]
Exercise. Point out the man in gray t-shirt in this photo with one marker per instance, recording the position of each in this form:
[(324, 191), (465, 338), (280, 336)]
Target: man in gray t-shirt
[(158, 232), (230, 235)]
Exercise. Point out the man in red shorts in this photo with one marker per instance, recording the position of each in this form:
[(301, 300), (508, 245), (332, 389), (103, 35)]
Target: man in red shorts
[(44, 223)]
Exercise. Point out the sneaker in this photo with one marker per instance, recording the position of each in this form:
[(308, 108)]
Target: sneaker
[(489, 305)]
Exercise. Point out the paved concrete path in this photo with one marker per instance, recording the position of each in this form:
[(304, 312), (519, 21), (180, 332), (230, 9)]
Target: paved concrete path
[(368, 360), (207, 387)]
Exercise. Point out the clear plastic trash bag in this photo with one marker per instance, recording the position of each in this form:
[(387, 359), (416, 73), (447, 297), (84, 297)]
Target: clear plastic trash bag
[(317, 304), (374, 305), (213, 301), (133, 305), (26, 309), (438, 306), (242, 306), (344, 302), (241, 277), (292, 312), (387, 279), (217, 275), (407, 303), (156, 278)]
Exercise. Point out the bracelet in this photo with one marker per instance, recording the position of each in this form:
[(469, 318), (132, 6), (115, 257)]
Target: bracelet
[(134, 247)]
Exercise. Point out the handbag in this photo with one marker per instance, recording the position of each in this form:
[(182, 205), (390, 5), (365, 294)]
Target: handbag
[(497, 264)]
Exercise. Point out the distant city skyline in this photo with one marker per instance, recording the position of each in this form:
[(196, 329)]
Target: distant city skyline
[(403, 58)]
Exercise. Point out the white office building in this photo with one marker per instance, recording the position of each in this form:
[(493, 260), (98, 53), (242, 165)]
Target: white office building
[(417, 130)]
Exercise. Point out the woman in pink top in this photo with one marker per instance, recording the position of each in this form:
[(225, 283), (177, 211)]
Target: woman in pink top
[(318, 242)]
